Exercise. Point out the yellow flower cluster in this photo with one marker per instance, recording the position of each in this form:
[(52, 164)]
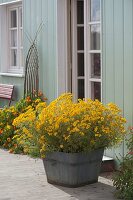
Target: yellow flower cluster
[(79, 126), (68, 126), (25, 125), (24, 117)]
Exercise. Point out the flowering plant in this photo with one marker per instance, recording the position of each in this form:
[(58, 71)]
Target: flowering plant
[(7, 115), (26, 136), (82, 126)]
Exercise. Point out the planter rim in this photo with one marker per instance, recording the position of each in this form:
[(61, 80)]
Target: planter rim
[(82, 152)]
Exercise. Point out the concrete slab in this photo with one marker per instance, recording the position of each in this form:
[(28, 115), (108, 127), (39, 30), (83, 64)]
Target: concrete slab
[(23, 178)]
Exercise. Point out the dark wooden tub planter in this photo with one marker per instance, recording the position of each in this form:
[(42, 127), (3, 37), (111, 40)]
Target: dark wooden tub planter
[(73, 169)]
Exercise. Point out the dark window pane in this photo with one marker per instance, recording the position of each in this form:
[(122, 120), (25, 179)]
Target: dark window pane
[(21, 17), (81, 88), (95, 37), (80, 12), (80, 64), (14, 57), (13, 18), (95, 10), (80, 38), (96, 90), (95, 65)]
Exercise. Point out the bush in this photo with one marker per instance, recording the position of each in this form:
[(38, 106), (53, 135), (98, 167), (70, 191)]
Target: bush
[(7, 116), (123, 179), (68, 126), (26, 135)]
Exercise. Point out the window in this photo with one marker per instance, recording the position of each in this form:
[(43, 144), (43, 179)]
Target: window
[(11, 38), (15, 34), (86, 53)]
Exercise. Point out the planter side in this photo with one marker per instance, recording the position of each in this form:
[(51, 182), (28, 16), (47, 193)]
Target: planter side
[(73, 169)]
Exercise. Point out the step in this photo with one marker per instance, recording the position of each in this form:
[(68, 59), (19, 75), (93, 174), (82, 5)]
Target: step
[(108, 164)]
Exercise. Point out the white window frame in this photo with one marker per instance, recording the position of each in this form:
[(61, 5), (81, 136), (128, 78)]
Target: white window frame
[(18, 68), (87, 52), (88, 79), (5, 39)]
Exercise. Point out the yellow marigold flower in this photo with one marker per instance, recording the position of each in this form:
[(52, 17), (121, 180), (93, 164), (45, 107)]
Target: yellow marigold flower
[(82, 133), (9, 139), (37, 100), (43, 148), (8, 127), (21, 142), (61, 146), (96, 129), (97, 135)]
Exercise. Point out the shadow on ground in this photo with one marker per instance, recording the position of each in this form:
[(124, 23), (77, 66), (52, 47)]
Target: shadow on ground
[(97, 191)]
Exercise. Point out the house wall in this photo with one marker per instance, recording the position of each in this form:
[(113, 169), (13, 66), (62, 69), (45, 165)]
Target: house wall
[(35, 13), (118, 59)]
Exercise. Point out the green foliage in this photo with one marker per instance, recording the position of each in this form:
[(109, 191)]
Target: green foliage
[(7, 116), (123, 179), (26, 135)]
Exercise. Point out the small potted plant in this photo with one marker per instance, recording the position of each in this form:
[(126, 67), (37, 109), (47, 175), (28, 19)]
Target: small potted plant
[(72, 137)]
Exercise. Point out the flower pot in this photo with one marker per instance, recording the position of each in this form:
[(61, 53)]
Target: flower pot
[(73, 169)]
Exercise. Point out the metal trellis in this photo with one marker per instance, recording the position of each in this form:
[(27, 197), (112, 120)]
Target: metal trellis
[(31, 83)]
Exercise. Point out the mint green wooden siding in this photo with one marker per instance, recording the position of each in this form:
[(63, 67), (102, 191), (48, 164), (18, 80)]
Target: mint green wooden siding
[(36, 12), (117, 56)]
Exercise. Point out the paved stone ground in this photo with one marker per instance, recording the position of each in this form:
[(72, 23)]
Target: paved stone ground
[(23, 178)]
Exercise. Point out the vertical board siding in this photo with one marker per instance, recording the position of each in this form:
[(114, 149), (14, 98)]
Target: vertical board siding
[(117, 59), (108, 50), (44, 51), (36, 12), (51, 47), (109, 37), (40, 43), (128, 62)]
